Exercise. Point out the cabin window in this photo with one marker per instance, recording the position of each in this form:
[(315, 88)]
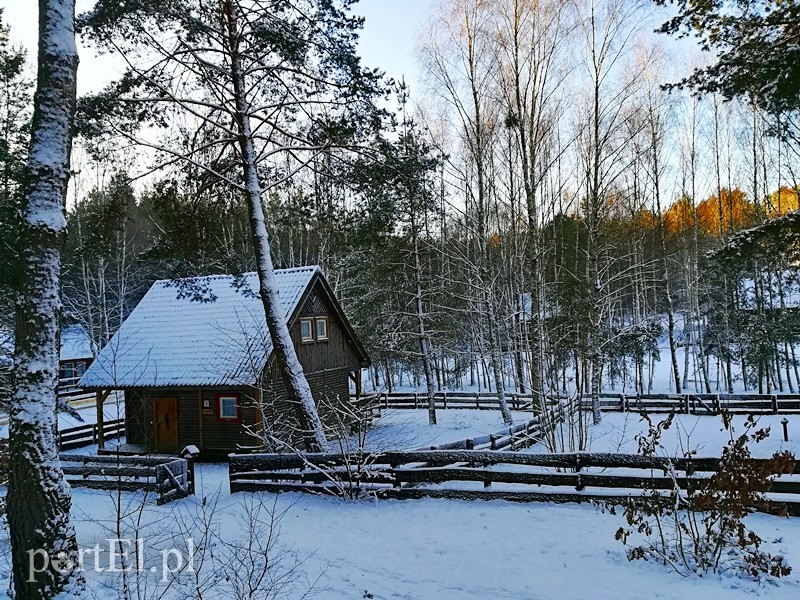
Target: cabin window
[(306, 330), (80, 369), (322, 328), (66, 371), (228, 407)]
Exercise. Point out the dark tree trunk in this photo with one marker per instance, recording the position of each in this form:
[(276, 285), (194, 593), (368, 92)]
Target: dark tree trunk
[(38, 496)]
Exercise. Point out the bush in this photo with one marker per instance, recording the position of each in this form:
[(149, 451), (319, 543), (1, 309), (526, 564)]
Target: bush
[(698, 525)]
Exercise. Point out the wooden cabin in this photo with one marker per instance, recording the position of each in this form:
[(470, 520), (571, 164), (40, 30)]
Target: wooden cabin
[(194, 360)]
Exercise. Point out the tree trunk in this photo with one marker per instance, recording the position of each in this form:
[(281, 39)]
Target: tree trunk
[(422, 335), (38, 496), (290, 368)]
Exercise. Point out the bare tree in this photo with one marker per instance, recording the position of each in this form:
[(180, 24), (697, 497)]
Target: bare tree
[(461, 65), (608, 29)]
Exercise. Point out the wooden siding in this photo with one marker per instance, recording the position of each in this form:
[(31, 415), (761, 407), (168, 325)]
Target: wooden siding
[(228, 437), (134, 417), (334, 353), (329, 387), (214, 437)]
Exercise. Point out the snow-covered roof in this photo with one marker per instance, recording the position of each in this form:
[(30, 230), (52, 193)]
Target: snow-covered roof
[(75, 343), (214, 334)]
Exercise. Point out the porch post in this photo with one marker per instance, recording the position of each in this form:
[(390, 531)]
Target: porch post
[(100, 398)]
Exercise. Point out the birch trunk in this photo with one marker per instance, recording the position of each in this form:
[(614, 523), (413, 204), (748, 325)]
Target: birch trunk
[(38, 496), (290, 368)]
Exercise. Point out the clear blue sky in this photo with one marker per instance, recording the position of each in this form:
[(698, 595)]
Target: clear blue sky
[(388, 39)]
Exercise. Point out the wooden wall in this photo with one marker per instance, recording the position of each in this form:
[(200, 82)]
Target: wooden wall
[(197, 424), (337, 351)]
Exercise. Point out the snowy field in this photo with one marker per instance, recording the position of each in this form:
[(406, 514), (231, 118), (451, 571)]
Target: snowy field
[(409, 429), (432, 549), (422, 549), (705, 434)]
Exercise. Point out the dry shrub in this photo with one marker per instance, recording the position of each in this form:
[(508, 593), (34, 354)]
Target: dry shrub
[(698, 526)]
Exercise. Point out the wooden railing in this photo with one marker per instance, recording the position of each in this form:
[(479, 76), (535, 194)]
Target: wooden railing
[(85, 435), (496, 475), (514, 437), (698, 404), (169, 477)]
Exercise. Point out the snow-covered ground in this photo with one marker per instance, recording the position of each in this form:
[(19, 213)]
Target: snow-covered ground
[(705, 434), (431, 548), (408, 429)]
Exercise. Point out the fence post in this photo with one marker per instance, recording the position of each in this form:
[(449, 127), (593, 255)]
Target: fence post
[(774, 404), (624, 402), (416, 400), (511, 433), (686, 404), (514, 402), (94, 433), (190, 474), (477, 400), (492, 441)]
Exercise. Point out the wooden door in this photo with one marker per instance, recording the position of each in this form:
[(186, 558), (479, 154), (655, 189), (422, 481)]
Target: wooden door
[(166, 424)]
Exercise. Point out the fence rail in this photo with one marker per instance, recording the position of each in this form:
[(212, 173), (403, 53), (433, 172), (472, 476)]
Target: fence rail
[(696, 404), (169, 477), (510, 476), (84, 435)]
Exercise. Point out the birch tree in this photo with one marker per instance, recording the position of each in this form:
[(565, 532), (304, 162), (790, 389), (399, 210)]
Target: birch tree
[(261, 81), (38, 496), (608, 29), (532, 42), (460, 64)]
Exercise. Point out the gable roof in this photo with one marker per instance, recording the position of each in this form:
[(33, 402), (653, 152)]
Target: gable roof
[(216, 336), (75, 344)]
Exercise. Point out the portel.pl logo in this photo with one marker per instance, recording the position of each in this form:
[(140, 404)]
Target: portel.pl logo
[(118, 556)]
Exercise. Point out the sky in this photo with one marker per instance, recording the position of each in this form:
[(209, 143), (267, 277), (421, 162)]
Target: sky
[(387, 42)]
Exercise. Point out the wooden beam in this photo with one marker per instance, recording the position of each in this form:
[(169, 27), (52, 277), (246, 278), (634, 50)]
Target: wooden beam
[(100, 398)]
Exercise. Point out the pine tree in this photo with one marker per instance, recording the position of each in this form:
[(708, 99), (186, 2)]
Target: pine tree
[(260, 82), (38, 496), (755, 43)]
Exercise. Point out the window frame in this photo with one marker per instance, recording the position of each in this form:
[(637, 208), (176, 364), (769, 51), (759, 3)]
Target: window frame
[(222, 418), (317, 322), (66, 370), (310, 339)]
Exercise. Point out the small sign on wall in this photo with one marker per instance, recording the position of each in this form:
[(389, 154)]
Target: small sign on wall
[(208, 411)]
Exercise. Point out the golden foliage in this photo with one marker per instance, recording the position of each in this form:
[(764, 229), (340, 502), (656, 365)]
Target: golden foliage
[(734, 212), (782, 201), (679, 217)]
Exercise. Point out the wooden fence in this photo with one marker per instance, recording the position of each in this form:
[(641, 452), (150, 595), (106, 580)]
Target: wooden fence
[(488, 475), (696, 404), (513, 437), (169, 477), (85, 435)]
